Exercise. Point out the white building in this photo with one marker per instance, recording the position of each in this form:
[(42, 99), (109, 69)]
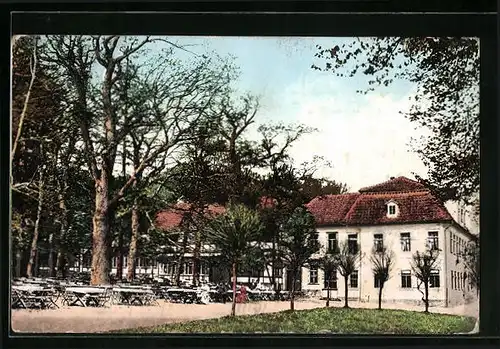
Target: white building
[(406, 217)]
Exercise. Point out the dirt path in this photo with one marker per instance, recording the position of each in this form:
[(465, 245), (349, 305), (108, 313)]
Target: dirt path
[(95, 320)]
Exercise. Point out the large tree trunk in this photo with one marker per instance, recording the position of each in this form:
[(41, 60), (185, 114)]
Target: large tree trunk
[(100, 240), (346, 303), (233, 306), (34, 242), (132, 252), (292, 291)]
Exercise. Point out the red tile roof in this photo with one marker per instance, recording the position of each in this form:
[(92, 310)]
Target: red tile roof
[(401, 184), (368, 207), (172, 217)]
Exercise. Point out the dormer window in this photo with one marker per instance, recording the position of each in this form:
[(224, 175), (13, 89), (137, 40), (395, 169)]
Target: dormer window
[(392, 209)]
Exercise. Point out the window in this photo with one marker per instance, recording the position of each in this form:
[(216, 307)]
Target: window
[(376, 281), (391, 209), (113, 262), (188, 268), (405, 242), (434, 279), (352, 243), (378, 242), (452, 241), (405, 278), (354, 279), (331, 279), (278, 272), (313, 276), (316, 236), (452, 280), (332, 242), (171, 268), (433, 240)]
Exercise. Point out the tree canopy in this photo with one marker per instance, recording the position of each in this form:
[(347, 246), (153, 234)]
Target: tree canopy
[(445, 72)]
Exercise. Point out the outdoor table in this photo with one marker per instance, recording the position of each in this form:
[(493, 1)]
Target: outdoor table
[(183, 295), (86, 296), (28, 296), (134, 296)]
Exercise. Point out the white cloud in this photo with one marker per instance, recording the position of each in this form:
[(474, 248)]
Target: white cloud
[(365, 137)]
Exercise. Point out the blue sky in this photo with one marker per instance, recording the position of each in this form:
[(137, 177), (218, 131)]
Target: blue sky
[(365, 137)]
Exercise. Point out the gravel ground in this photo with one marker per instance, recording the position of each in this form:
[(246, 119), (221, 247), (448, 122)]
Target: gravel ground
[(95, 320)]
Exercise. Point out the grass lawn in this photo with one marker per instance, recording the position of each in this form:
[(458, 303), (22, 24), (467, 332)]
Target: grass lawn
[(334, 320)]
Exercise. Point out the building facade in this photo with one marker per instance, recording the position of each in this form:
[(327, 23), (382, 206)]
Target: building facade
[(405, 217)]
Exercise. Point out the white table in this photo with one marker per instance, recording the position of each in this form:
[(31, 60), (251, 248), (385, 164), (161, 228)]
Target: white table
[(85, 295), (131, 296), (28, 296), (29, 288)]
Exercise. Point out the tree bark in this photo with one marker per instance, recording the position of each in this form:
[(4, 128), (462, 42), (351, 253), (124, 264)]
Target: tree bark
[(233, 306), (60, 263), (328, 295), (180, 260), (119, 262), (380, 296), (132, 252), (52, 270), (34, 242), (100, 232), (18, 263), (346, 293), (196, 258), (426, 286), (292, 291)]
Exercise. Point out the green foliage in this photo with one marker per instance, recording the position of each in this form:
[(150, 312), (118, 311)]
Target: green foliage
[(234, 232), (298, 240), (325, 320), (445, 71)]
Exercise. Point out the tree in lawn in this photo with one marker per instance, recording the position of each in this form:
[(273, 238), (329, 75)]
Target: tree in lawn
[(382, 260), (445, 71), (234, 234), (423, 264), (329, 263), (348, 259), (298, 244)]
